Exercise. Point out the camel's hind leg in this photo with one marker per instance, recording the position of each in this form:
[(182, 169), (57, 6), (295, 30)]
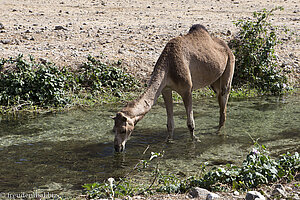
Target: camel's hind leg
[(167, 95), (222, 95)]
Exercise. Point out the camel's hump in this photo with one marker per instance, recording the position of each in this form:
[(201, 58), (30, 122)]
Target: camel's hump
[(197, 27)]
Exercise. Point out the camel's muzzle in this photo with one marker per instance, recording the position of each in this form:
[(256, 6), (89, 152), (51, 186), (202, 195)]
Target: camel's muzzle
[(119, 148)]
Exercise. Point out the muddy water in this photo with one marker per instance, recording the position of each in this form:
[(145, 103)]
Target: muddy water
[(58, 153)]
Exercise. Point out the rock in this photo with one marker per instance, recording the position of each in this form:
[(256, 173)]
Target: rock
[(5, 41), (199, 193), (1, 26), (279, 191), (296, 197), (139, 197), (212, 196), (254, 195), (57, 28)]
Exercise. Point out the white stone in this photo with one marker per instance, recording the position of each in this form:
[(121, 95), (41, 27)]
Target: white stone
[(198, 193), (212, 196), (254, 195)]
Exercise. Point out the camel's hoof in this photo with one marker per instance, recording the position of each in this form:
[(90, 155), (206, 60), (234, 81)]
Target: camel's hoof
[(196, 139), (169, 140)]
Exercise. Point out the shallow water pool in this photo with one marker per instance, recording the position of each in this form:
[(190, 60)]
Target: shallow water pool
[(58, 153)]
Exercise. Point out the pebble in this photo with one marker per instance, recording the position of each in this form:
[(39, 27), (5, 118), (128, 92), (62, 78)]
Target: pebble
[(254, 195), (212, 196), (279, 191), (202, 193), (59, 28), (5, 41), (198, 192), (1, 26)]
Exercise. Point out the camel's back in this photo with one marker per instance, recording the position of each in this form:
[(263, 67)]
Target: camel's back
[(199, 55)]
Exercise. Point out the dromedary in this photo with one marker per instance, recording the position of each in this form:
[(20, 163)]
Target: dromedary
[(187, 63)]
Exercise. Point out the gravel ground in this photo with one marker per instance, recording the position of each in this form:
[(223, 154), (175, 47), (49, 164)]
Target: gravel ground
[(66, 31)]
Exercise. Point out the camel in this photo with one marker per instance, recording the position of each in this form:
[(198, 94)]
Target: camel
[(187, 63)]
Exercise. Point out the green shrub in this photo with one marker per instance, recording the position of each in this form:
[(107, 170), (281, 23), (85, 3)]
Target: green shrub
[(43, 84), (97, 76), (110, 189), (30, 82), (254, 49), (258, 168)]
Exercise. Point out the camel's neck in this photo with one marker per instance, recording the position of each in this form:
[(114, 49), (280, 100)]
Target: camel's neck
[(138, 108)]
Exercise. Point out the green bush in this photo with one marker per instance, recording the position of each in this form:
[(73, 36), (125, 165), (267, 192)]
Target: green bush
[(254, 49), (258, 168), (97, 76), (109, 189), (43, 84), (30, 82)]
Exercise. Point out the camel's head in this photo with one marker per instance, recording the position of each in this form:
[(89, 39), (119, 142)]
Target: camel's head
[(123, 128)]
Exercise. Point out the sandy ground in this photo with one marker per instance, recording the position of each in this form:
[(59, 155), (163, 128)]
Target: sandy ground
[(67, 31)]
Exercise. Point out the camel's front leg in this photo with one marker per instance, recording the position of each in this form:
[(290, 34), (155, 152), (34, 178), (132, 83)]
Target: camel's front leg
[(167, 95), (187, 100)]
